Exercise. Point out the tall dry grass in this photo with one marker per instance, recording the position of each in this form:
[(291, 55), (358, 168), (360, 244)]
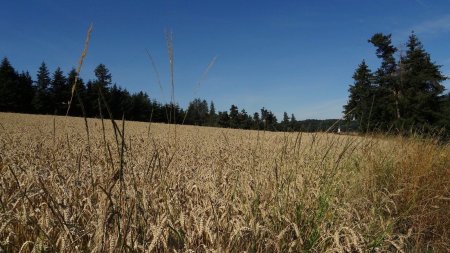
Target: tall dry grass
[(216, 190)]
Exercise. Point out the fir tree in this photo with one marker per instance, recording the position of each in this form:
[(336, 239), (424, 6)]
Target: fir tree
[(197, 112), (387, 95), (60, 91), (234, 116), (361, 96), (140, 107), (224, 119), (26, 93), (212, 114), (100, 89), (9, 89), (422, 85), (285, 122), (42, 102), (79, 96), (293, 122), (120, 102)]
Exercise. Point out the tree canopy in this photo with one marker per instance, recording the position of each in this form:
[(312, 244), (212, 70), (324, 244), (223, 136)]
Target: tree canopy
[(404, 93)]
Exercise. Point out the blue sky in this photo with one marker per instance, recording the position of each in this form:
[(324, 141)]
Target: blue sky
[(294, 56)]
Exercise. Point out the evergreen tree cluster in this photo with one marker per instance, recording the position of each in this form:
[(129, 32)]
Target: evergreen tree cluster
[(51, 93), (405, 93)]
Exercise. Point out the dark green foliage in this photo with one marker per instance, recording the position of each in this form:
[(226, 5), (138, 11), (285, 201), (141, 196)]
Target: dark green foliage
[(269, 120), (15, 90), (444, 121), (293, 122), (174, 112), (421, 86), (212, 121), (122, 103), (42, 100), (25, 93), (141, 107), (361, 97), (198, 112), (99, 89), (386, 95), (234, 117), (401, 95), (256, 120), (224, 119), (59, 91), (80, 92), (245, 120), (50, 95), (285, 123), (91, 98), (103, 77)]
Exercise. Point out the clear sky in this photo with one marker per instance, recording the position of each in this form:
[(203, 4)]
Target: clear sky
[(294, 56)]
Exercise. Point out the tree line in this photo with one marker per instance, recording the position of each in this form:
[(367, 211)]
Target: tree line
[(405, 93), (50, 93)]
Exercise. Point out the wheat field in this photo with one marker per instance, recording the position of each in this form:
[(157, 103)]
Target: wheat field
[(140, 187)]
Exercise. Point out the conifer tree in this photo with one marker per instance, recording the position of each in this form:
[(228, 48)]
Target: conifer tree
[(361, 96), (60, 91), (234, 116), (285, 122), (224, 119), (8, 87), (99, 90), (293, 122), (26, 93), (79, 99), (387, 94), (120, 102), (197, 112), (422, 85), (141, 107), (245, 121), (212, 114), (42, 102)]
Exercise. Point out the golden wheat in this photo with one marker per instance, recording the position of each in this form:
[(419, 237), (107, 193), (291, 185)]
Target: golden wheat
[(216, 190)]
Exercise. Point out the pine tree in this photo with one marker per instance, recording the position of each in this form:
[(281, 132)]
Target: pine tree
[(103, 76), (293, 122), (79, 96), (422, 85), (245, 121), (444, 121), (285, 122), (269, 120), (101, 87), (234, 116), (120, 102), (141, 107), (91, 98), (212, 115), (158, 112), (388, 92), (26, 93), (59, 91), (42, 102), (197, 112), (257, 121), (224, 119), (8, 87), (361, 96)]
